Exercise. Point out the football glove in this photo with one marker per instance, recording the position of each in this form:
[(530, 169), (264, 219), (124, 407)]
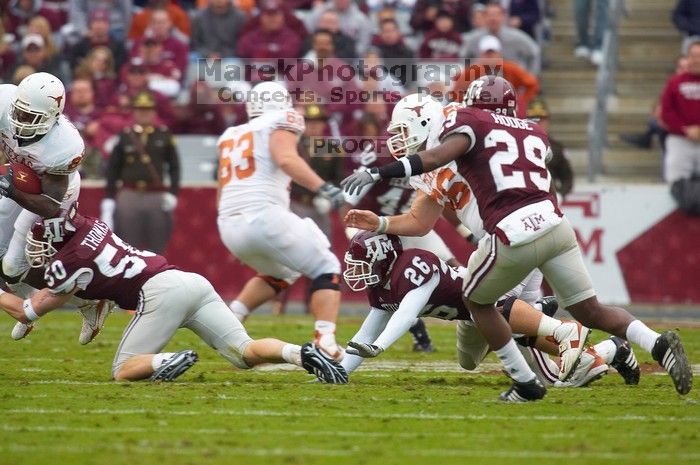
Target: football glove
[(332, 193), (363, 350), (359, 179), (7, 186)]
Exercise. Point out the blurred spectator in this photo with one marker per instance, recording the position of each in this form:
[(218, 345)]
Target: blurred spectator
[(680, 112), (587, 47), (85, 115), (161, 30), (7, 54), (203, 114), (491, 62), (98, 35), (290, 19), (397, 10), (369, 127), (655, 127), (344, 45), (163, 74), (215, 30), (426, 12), (353, 22), (525, 15), (40, 25), (393, 51), (381, 87), (34, 54), (19, 12), (178, 18), (21, 72), (273, 40), (135, 79), (515, 44), (442, 42), (478, 16), (99, 67), (686, 17), (559, 166), (119, 15), (144, 157)]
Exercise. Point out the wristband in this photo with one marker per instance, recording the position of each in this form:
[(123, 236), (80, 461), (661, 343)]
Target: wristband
[(29, 310), (402, 168), (383, 223)]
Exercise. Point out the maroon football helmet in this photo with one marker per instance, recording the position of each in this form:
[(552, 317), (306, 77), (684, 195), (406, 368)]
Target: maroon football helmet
[(48, 235), (369, 259), (492, 93)]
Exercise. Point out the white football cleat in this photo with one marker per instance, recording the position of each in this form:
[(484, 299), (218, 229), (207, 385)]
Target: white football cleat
[(20, 330), (591, 368), (328, 344), (94, 314), (571, 337)]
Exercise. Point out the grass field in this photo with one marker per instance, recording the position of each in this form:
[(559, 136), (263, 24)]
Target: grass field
[(58, 407)]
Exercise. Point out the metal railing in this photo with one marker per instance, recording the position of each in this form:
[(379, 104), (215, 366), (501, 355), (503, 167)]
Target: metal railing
[(605, 87)]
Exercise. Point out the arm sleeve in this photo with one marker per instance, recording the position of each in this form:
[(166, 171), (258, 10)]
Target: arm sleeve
[(409, 309), (373, 325)]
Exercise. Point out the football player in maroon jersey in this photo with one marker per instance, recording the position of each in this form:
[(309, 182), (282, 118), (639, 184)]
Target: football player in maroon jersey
[(503, 160), (403, 284), (82, 256)]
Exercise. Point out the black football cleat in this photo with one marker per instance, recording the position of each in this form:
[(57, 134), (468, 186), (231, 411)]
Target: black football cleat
[(524, 392), (421, 338), (668, 351), (549, 305), (324, 367), (624, 361), (175, 366)]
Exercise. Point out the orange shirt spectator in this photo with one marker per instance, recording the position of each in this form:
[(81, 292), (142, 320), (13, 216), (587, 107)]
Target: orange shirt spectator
[(246, 6), (526, 84), (178, 16)]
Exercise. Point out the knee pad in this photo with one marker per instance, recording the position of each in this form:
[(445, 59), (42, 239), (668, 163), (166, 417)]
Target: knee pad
[(507, 306), (325, 281), (278, 285)]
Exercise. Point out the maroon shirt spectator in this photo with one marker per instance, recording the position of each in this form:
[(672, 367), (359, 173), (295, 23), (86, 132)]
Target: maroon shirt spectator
[(135, 78), (680, 100), (85, 116), (19, 13), (272, 40), (203, 114), (426, 12), (99, 67), (290, 19), (98, 35), (443, 41), (393, 51), (161, 29), (7, 54), (163, 75)]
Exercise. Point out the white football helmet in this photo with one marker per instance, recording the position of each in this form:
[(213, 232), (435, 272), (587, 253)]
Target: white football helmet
[(411, 121), (38, 102), (267, 96)]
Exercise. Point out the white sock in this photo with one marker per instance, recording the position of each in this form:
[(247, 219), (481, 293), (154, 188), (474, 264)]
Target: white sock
[(606, 350), (239, 309), (324, 327), (547, 325), (641, 334), (514, 363), (158, 359), (291, 353)]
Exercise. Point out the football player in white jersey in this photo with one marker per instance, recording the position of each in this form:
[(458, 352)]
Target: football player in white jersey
[(445, 187), (34, 132), (257, 161)]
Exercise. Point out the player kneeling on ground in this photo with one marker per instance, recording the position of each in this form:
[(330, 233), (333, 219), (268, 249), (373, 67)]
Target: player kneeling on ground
[(404, 284), (81, 255)]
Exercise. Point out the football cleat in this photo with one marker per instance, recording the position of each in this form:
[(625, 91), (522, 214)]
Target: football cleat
[(549, 305), (426, 348), (421, 338), (668, 351), (20, 330), (571, 337), (328, 344), (524, 392), (591, 368), (175, 366), (624, 361), (94, 314), (326, 369)]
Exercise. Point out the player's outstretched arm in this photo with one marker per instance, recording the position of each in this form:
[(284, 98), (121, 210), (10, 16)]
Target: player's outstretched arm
[(372, 327), (46, 204), (419, 221), (29, 310)]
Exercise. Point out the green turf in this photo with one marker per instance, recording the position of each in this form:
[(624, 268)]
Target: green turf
[(58, 407)]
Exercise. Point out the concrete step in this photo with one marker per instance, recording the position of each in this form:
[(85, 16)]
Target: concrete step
[(621, 163)]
